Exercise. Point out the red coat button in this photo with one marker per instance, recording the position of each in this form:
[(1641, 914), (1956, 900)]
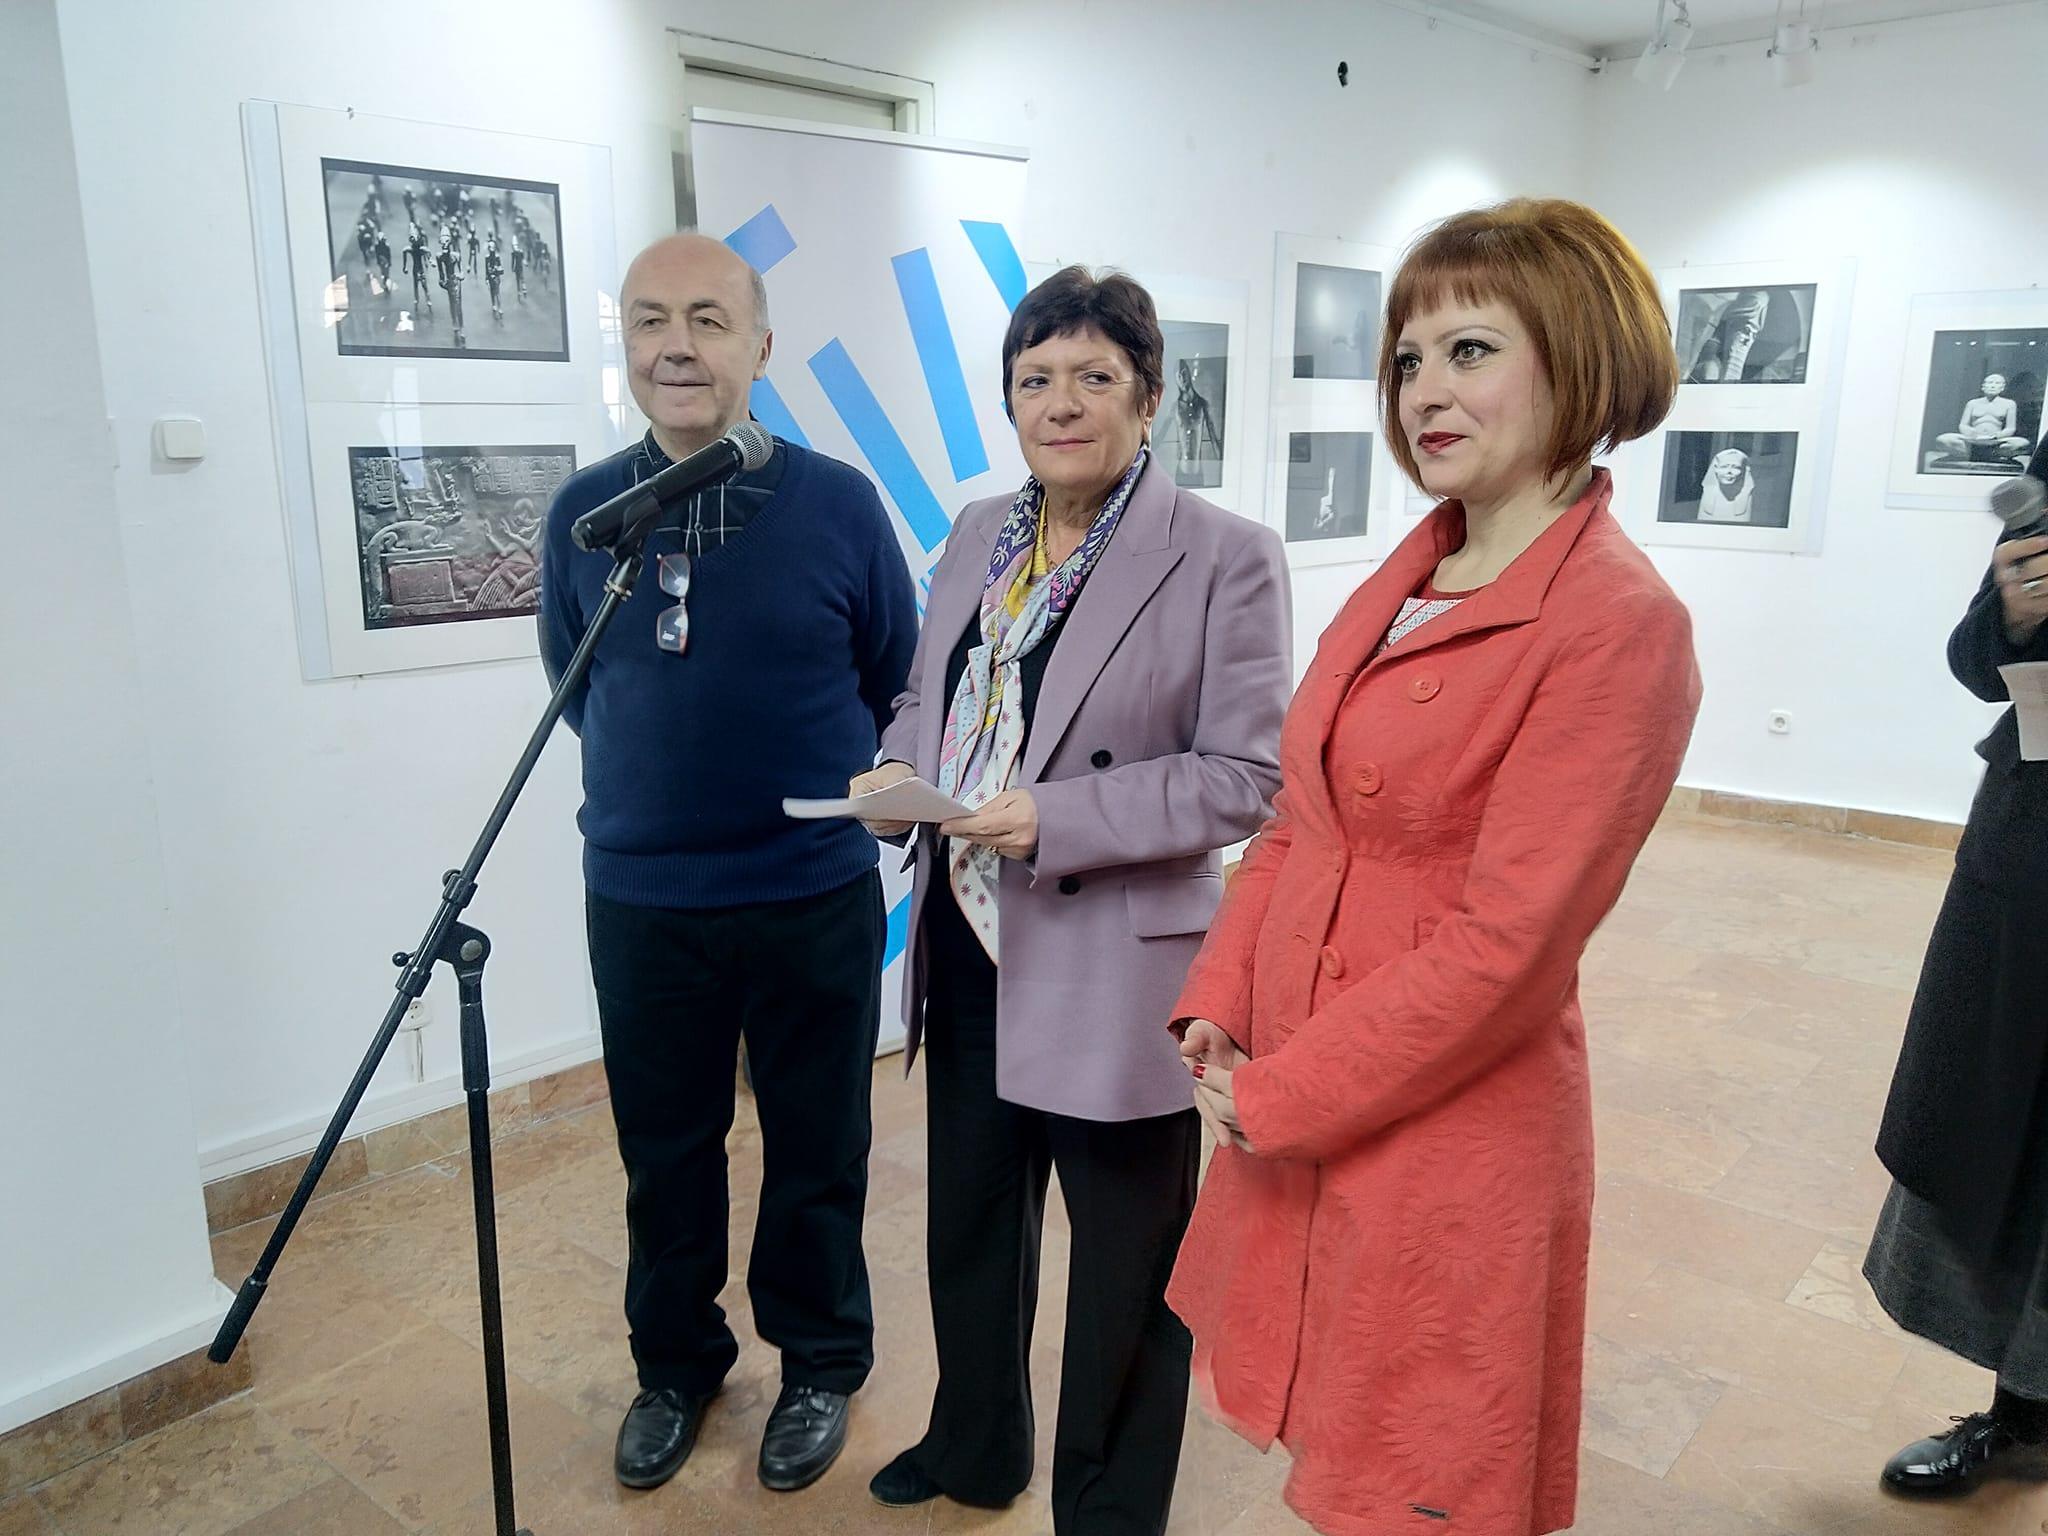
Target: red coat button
[(1425, 686), (1367, 780), (1333, 963)]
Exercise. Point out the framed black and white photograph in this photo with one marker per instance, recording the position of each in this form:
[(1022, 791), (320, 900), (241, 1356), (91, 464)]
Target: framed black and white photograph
[(1749, 335), (1329, 485), (1194, 411), (1971, 393), (407, 549), (402, 262), (444, 264), (1741, 463), (452, 535), (1729, 479), (1970, 397), (1333, 490), (1981, 414), (418, 541), (1336, 321)]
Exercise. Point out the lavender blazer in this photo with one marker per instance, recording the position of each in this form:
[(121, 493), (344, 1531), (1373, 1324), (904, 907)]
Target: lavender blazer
[(1156, 742)]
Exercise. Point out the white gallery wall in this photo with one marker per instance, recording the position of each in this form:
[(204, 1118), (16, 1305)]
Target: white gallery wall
[(1919, 151), (306, 825), (107, 1270), (268, 842)]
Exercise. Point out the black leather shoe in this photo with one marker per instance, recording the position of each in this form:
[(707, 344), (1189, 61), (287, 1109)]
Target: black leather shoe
[(1953, 1462), (903, 1484), (806, 1432), (659, 1432)]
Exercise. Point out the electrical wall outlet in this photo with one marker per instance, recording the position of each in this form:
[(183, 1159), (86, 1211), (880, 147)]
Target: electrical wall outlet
[(1781, 722)]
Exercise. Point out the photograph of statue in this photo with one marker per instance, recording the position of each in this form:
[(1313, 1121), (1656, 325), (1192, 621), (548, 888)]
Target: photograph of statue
[(446, 535)]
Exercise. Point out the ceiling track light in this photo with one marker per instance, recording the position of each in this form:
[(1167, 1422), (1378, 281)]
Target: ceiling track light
[(1792, 53), (1794, 44), (1665, 55)]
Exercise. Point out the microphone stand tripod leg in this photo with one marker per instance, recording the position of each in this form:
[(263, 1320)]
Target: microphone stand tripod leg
[(465, 950)]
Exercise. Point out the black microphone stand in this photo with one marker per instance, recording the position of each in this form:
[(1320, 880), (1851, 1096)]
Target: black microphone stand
[(463, 949)]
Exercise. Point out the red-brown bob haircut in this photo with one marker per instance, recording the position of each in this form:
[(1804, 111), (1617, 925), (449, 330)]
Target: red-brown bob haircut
[(1590, 304)]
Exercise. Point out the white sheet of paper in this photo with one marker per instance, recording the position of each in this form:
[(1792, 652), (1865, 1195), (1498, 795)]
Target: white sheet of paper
[(909, 800), (2027, 682)]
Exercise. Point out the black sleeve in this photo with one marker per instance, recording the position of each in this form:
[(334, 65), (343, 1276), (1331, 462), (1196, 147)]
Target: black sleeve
[(1979, 645)]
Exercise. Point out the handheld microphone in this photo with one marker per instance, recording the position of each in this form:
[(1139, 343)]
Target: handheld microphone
[(2021, 502), (626, 515)]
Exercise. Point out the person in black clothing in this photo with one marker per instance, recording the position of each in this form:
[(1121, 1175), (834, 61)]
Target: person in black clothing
[(756, 660), (1960, 1255), (494, 273), (414, 260), (448, 266)]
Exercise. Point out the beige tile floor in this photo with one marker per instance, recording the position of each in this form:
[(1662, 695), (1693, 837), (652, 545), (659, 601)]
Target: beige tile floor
[(1744, 1004)]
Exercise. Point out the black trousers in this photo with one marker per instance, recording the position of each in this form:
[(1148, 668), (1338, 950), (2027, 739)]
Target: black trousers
[(675, 992), (1129, 1188)]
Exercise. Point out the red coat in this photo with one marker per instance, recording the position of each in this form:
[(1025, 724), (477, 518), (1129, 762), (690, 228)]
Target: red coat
[(1394, 1285)]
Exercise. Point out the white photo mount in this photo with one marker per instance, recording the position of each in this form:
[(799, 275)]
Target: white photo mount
[(587, 268), (1206, 301), (1300, 406), (324, 401), (1907, 483), (354, 646), (1809, 410)]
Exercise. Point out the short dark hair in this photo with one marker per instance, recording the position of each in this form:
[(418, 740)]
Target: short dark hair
[(1074, 299)]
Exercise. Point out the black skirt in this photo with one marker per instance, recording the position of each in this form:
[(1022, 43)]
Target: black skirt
[(1960, 1254), (1966, 1125), (1993, 1313)]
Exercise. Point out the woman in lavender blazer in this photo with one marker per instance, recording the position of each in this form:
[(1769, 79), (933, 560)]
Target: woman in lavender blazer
[(1102, 675)]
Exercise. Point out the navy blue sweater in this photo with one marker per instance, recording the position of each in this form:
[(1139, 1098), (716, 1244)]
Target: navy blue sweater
[(801, 632)]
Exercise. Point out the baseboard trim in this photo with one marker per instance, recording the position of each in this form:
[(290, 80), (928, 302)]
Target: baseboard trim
[(65, 1422), (1847, 821), (240, 1154), (434, 1130)]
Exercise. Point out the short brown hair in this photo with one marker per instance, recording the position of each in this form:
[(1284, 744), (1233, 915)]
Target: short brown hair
[(1590, 304), (1074, 299)]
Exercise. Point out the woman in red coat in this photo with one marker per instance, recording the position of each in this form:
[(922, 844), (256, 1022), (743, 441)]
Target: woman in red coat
[(1386, 1270)]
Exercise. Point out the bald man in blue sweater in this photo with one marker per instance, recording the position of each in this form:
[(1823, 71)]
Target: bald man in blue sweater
[(759, 657)]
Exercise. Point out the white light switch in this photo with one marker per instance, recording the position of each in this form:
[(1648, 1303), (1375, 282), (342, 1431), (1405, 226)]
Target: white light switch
[(180, 437)]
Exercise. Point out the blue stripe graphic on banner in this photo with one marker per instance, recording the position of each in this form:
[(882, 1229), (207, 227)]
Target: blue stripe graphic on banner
[(877, 439), (992, 245), (933, 333), (899, 933), (769, 408), (763, 240)]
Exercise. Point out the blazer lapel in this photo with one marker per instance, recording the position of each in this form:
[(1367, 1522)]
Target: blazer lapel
[(1123, 581), (1516, 595), (948, 612)]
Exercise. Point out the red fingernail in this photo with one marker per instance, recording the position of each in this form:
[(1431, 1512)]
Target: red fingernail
[(1199, 1069)]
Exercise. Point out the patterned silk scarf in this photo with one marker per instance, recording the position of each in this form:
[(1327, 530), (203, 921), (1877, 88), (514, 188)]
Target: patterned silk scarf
[(1021, 600)]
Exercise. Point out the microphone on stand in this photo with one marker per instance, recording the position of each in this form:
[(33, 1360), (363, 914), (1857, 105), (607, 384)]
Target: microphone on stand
[(2021, 502), (625, 518)]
